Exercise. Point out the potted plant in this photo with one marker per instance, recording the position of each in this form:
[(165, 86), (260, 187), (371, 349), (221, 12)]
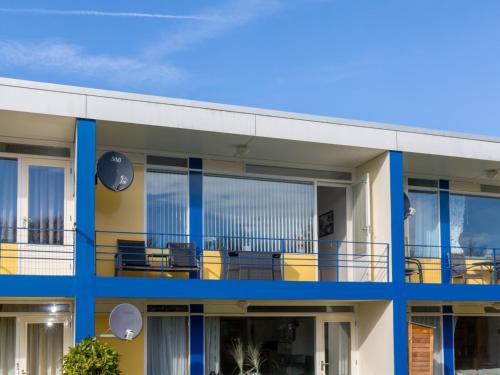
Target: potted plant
[(254, 359), (91, 357)]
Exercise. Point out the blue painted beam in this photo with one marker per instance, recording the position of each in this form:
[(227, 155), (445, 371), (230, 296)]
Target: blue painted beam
[(36, 286), (196, 342), (85, 228), (452, 292), (135, 287), (444, 215), (400, 330), (196, 206), (448, 341)]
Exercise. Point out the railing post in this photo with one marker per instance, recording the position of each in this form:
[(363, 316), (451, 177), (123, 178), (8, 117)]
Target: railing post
[(494, 281)]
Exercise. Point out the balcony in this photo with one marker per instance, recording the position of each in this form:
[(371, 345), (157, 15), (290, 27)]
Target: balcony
[(137, 254), (29, 251), (479, 266)]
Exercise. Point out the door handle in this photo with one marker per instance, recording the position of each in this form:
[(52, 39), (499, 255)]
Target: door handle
[(323, 365)]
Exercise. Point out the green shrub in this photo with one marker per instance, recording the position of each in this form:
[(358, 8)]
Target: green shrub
[(91, 357)]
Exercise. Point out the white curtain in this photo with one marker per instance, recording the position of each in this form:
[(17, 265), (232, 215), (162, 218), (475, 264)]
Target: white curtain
[(424, 225), (8, 200), (212, 346), (167, 207), (434, 321), (457, 217), (339, 348), (167, 345), (248, 208), (46, 205), (7, 346), (45, 348)]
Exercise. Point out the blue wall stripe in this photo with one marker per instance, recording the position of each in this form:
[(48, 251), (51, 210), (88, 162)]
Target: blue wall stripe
[(196, 206), (448, 344), (85, 228), (196, 342), (444, 215), (398, 263)]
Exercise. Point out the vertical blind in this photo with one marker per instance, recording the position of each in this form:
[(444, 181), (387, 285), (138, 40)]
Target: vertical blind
[(167, 207), (250, 214), (8, 200), (7, 345)]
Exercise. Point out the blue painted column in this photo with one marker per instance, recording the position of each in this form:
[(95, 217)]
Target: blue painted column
[(444, 214), (85, 228), (196, 340), (196, 206), (398, 263), (448, 341)]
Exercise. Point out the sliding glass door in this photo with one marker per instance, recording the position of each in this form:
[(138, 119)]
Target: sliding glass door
[(45, 245)]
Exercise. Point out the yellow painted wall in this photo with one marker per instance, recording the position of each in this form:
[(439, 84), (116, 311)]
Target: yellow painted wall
[(131, 352), (8, 259), (301, 267), (378, 170), (431, 270)]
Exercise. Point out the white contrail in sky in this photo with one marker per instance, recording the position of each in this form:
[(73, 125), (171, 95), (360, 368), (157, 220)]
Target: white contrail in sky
[(95, 13)]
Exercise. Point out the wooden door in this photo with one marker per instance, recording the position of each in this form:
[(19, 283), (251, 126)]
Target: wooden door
[(420, 349)]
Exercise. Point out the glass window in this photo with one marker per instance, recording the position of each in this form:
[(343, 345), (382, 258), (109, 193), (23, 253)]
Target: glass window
[(477, 348), (8, 200), (435, 322), (423, 226), (251, 208), (474, 224), (167, 345), (167, 207), (46, 205), (280, 345)]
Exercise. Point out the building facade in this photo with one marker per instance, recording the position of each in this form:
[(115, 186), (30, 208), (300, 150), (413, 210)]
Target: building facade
[(315, 243)]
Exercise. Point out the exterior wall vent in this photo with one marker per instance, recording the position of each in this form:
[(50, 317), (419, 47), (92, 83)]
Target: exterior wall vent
[(168, 308), (300, 309), (18, 148), (298, 172), (422, 182), (490, 189), (167, 161)]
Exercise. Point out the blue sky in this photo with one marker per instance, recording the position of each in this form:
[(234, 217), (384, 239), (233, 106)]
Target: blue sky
[(428, 63)]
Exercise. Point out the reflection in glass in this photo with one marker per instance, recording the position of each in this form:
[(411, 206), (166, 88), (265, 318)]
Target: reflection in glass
[(46, 205), (45, 348), (435, 322), (474, 224), (286, 345)]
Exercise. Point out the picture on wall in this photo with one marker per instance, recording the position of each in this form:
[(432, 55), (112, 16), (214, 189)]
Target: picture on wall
[(325, 225)]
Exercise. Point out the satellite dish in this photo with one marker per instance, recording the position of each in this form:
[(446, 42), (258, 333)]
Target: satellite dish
[(409, 210), (125, 321), (115, 171)]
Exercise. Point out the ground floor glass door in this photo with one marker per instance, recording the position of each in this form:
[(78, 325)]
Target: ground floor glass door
[(41, 346), (334, 347)]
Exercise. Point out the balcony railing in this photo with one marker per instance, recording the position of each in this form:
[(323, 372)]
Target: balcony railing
[(30, 251), (239, 258), (463, 265)]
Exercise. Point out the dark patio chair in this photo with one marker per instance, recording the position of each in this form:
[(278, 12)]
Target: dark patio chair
[(182, 257), (131, 256), (413, 267)]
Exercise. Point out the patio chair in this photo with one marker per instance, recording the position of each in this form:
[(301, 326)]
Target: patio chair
[(131, 256), (182, 257), (413, 267)]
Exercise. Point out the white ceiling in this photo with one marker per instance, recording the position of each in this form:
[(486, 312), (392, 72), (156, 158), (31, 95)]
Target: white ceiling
[(223, 145), (34, 128), (443, 166)]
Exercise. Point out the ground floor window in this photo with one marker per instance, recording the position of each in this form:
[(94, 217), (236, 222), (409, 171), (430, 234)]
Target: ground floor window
[(435, 323), (280, 345), (7, 345), (168, 347), (477, 345)]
